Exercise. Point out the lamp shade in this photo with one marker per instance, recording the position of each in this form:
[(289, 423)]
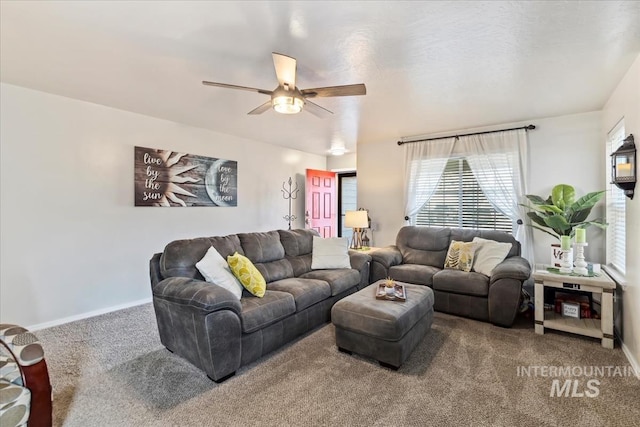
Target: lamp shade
[(287, 104), (287, 101), (356, 219)]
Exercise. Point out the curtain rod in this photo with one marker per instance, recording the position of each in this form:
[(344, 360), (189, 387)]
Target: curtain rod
[(528, 127)]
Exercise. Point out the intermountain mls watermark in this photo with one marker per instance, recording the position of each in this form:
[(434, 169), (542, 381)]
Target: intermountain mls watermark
[(583, 382)]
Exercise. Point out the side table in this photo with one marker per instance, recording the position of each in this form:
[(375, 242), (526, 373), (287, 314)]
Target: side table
[(368, 250), (598, 328)]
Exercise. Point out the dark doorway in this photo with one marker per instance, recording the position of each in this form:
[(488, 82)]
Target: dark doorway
[(347, 200)]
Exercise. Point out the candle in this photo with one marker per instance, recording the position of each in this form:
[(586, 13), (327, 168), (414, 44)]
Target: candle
[(623, 169), (565, 243), (581, 235)]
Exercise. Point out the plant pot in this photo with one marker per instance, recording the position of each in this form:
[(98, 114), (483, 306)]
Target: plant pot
[(556, 255)]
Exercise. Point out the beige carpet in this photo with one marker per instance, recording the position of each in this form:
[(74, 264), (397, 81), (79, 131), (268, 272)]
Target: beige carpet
[(111, 370)]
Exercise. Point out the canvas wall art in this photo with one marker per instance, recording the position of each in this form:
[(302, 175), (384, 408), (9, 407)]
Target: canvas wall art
[(169, 178)]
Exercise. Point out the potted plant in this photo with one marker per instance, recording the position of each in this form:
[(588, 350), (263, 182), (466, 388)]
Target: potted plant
[(390, 286), (560, 214)]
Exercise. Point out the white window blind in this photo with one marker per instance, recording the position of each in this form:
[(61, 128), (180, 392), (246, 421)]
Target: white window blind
[(458, 202), (615, 232)]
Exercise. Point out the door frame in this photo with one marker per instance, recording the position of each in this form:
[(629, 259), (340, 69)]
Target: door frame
[(339, 183)]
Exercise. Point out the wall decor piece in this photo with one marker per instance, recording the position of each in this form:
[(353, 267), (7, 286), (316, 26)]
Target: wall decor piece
[(290, 194), (169, 178)]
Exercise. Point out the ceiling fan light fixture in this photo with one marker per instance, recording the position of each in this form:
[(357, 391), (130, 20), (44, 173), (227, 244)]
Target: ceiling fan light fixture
[(287, 98), (287, 104)]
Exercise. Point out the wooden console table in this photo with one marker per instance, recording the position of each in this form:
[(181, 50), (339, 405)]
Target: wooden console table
[(598, 328)]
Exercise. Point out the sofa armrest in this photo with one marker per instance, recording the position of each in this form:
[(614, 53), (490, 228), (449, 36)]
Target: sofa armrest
[(515, 267), (200, 322), (359, 260), (388, 256), (154, 269), (383, 259), (505, 288), (196, 294)]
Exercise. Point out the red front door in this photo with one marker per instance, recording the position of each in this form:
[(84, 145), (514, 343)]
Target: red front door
[(321, 207)]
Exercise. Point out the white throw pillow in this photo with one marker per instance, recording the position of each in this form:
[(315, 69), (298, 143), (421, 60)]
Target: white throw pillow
[(215, 269), (332, 252), (489, 253)]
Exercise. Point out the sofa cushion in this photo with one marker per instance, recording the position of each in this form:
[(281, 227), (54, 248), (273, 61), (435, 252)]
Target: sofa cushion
[(297, 242), (275, 270), (215, 269), (262, 247), (306, 292), (247, 274), (24, 345), (467, 235), (414, 273), (340, 279), (423, 245), (300, 264), (258, 313), (460, 255), (489, 254), (461, 282), (179, 257), (331, 252), (15, 404), (226, 245), (9, 369)]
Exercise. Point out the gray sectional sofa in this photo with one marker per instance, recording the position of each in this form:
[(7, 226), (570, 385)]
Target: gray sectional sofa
[(419, 256), (218, 333)]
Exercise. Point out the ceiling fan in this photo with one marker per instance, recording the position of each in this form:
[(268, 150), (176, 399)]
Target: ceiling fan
[(287, 98)]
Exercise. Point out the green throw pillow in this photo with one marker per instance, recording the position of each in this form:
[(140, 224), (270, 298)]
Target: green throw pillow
[(247, 274), (460, 255)]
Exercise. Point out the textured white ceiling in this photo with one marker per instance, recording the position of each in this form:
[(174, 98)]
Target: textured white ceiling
[(428, 66)]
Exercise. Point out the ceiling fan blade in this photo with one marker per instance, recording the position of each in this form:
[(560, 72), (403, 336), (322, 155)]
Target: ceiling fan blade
[(228, 86), (316, 110), (285, 69), (261, 109), (346, 90)]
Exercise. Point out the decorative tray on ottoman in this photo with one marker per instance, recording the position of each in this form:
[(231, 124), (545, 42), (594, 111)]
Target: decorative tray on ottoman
[(399, 295)]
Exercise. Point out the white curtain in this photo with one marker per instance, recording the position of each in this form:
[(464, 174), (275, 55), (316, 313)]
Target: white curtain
[(424, 164), (499, 164)]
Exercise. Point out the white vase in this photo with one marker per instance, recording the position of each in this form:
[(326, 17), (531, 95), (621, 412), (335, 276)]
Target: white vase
[(556, 255)]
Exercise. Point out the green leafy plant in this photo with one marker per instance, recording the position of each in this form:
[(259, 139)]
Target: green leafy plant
[(560, 214)]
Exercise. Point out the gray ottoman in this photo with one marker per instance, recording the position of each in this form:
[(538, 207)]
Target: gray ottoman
[(387, 331)]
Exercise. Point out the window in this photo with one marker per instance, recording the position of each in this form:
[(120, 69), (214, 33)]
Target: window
[(615, 232), (458, 202)]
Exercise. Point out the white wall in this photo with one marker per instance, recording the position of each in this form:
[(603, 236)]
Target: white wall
[(380, 184), (565, 150), (72, 241), (342, 163), (625, 103)]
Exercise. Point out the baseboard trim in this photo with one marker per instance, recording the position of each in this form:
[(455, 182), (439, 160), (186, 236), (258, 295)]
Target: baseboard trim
[(86, 315), (632, 360)]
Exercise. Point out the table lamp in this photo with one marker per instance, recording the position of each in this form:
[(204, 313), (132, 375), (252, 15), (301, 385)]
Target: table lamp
[(356, 220)]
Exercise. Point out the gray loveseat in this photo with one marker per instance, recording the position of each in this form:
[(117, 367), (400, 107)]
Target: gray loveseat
[(208, 326), (419, 256)]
